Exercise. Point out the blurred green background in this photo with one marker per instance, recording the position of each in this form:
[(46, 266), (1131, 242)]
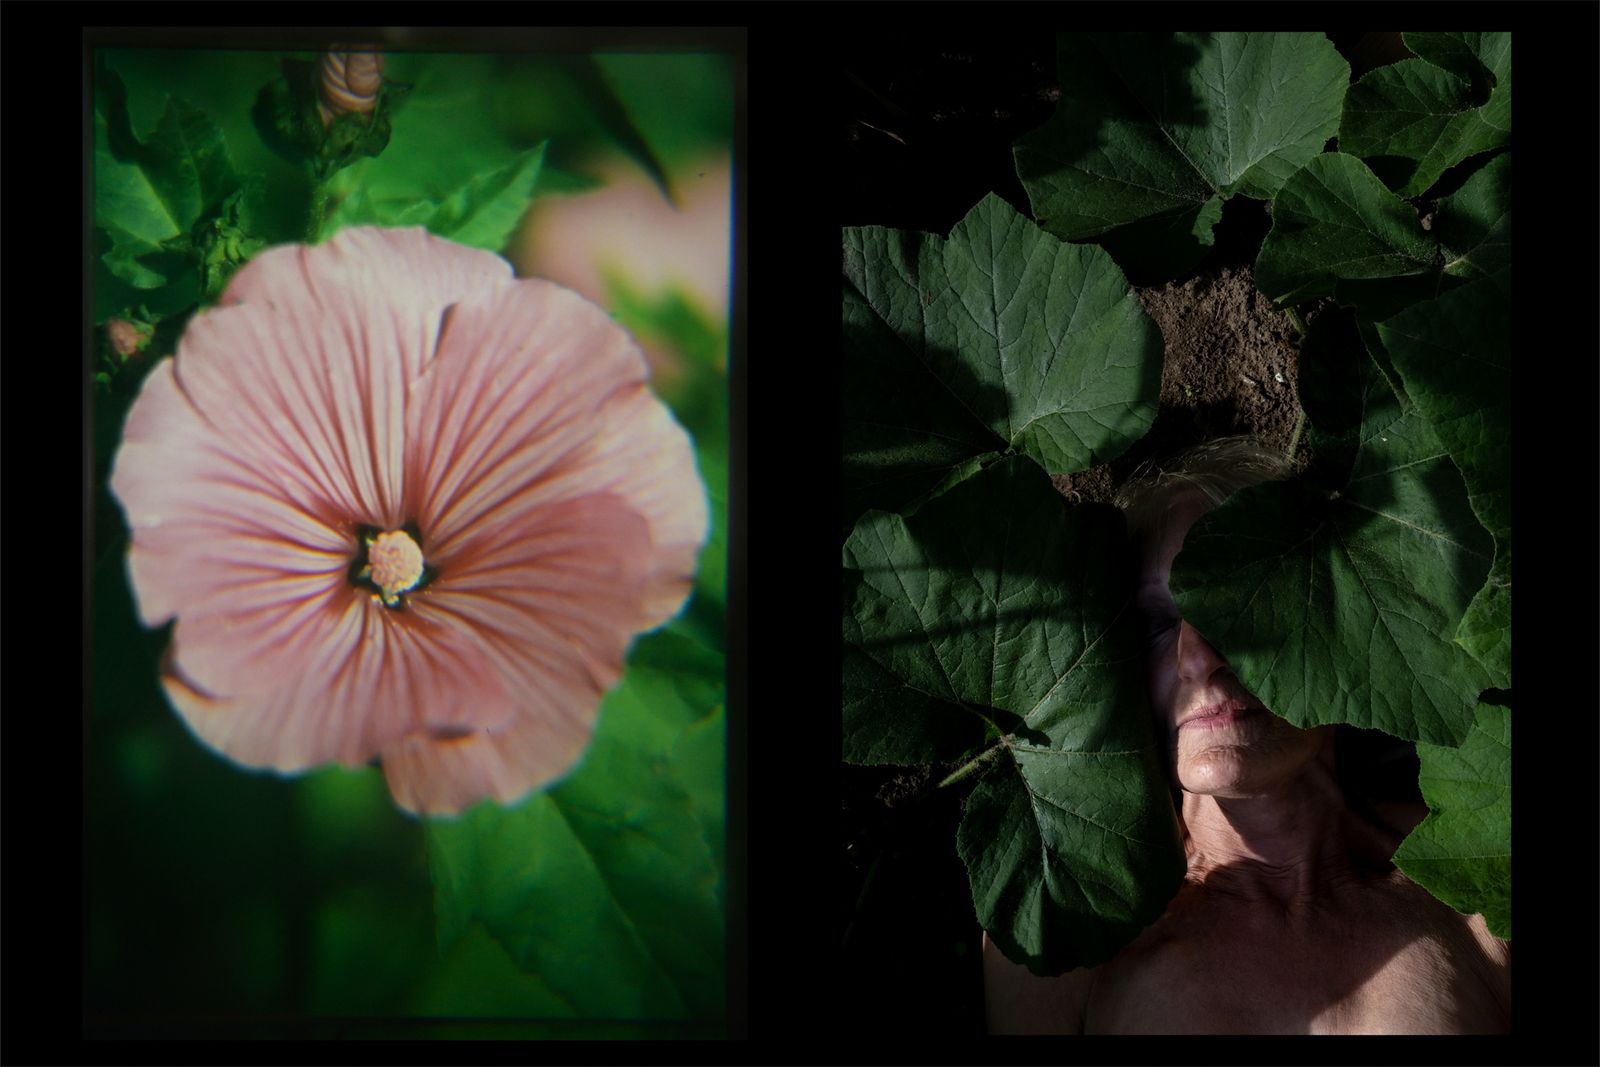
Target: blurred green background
[(225, 902)]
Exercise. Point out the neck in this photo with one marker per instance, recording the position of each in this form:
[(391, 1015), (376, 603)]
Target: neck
[(1293, 842)]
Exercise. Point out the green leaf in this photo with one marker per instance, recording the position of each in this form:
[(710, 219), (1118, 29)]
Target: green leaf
[(1483, 59), (484, 212), (995, 610), (1461, 853), (446, 158), (999, 337), (608, 887), (476, 978), (1335, 597), (151, 196), (1474, 223), (225, 84), (701, 757), (167, 183), (158, 188), (126, 198), (116, 298), (1414, 119), (1334, 224), (888, 720), (186, 162), (138, 262), (1158, 125), (1454, 354)]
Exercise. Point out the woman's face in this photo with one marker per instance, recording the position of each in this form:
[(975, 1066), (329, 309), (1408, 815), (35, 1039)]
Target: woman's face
[(1221, 740)]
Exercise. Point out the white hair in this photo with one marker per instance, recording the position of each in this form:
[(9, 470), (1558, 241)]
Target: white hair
[(1218, 468)]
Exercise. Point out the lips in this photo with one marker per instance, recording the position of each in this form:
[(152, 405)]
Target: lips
[(1219, 714)]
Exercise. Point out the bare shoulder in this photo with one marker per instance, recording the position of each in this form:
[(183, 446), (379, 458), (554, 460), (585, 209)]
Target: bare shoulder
[(1478, 961), (1408, 895), (1017, 1001)]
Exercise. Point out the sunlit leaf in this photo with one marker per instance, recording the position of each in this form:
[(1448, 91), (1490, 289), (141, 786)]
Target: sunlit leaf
[(1461, 853), (998, 337), (1454, 354), (1335, 597), (1162, 127)]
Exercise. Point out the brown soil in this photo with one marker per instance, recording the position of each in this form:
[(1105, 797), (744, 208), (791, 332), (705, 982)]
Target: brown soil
[(1231, 367)]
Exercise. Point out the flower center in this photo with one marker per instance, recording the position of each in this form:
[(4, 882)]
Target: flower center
[(394, 563)]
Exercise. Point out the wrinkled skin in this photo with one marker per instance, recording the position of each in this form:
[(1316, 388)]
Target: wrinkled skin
[(1291, 918)]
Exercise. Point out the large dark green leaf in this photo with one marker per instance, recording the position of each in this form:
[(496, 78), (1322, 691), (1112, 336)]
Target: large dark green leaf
[(1454, 355), (1336, 597), (1334, 224), (999, 337), (608, 887), (1474, 223), (995, 612), (1414, 119), (1461, 853), (1158, 126)]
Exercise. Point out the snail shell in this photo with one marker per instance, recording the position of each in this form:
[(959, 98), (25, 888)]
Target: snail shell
[(349, 82)]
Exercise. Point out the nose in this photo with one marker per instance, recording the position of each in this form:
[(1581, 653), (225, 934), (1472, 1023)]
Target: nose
[(1197, 660)]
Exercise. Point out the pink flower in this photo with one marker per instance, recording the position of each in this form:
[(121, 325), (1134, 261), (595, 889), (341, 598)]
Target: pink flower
[(404, 505)]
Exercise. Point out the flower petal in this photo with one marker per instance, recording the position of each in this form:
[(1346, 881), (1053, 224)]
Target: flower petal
[(648, 459), (415, 274), (443, 775), (371, 677), (535, 397), (307, 363), (554, 606), (210, 527)]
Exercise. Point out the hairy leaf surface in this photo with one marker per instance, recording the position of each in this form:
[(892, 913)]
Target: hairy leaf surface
[(1334, 224), (1454, 354), (994, 611), (1158, 126), (1461, 853), (1336, 597), (1000, 337), (1474, 223), (1414, 119)]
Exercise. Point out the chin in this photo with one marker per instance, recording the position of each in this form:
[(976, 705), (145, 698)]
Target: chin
[(1246, 768), (1222, 772)]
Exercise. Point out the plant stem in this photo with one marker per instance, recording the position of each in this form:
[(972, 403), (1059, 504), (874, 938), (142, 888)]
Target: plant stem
[(319, 211), (1299, 424), (969, 768), (1294, 317)]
